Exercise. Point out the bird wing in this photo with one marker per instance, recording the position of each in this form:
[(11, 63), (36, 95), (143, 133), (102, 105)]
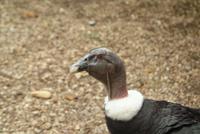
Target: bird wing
[(173, 117)]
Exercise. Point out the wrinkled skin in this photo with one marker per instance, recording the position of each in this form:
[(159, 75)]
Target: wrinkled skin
[(106, 67)]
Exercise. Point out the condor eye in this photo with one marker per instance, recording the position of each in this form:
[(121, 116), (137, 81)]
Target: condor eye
[(100, 56)]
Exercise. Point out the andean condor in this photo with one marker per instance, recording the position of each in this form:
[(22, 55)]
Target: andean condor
[(128, 112)]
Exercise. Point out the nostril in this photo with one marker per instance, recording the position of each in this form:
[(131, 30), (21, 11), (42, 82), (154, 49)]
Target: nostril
[(86, 59)]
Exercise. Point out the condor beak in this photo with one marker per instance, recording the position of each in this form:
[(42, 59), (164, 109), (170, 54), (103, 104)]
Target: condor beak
[(80, 65)]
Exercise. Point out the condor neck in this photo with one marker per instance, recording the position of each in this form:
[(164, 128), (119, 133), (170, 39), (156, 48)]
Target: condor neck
[(116, 84)]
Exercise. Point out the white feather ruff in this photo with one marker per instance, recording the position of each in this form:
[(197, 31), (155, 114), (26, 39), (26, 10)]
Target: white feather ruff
[(124, 109)]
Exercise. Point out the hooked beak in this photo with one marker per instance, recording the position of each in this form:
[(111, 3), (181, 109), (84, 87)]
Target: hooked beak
[(80, 65)]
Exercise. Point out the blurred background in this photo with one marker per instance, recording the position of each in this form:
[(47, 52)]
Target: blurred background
[(158, 40)]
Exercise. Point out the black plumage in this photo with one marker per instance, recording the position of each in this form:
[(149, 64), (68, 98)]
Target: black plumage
[(159, 117)]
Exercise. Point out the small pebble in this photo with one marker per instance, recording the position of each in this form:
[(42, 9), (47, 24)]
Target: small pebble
[(41, 94), (92, 22), (46, 126)]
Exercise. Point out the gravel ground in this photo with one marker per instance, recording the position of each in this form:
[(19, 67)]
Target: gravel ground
[(39, 39)]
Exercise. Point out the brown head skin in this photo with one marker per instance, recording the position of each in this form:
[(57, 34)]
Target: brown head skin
[(106, 67)]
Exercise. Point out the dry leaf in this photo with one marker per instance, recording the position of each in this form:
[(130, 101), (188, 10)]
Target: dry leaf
[(70, 97), (81, 74), (30, 14)]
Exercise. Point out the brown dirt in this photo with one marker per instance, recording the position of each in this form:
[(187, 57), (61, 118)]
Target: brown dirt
[(39, 39)]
